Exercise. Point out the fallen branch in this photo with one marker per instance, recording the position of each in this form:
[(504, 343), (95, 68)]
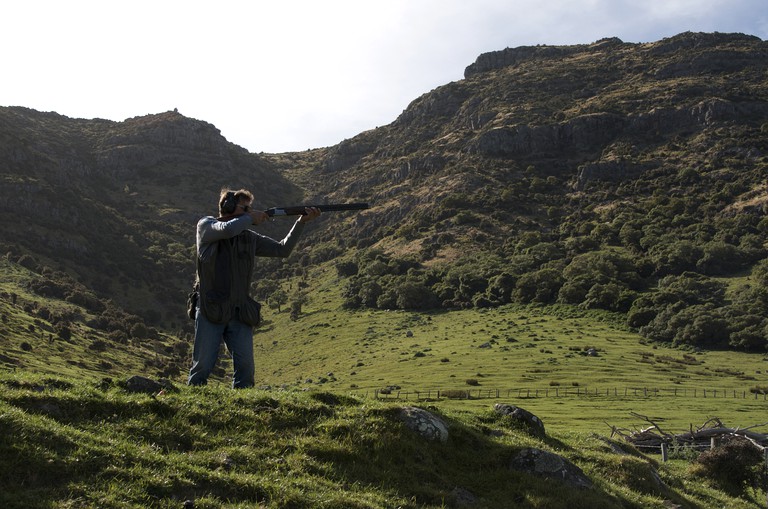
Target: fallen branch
[(653, 437)]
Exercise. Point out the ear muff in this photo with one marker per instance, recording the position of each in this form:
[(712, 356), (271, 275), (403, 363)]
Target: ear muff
[(228, 204)]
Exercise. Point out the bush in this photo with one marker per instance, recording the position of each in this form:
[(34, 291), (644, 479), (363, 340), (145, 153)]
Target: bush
[(346, 268), (733, 466)]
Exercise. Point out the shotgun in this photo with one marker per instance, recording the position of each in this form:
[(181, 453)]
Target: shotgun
[(298, 210)]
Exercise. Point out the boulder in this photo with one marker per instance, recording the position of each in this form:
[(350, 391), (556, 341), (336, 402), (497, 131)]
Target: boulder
[(529, 420), (424, 423), (139, 383), (549, 465)]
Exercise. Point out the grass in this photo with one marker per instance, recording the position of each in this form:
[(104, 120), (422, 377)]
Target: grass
[(77, 444), (527, 353), (314, 435)]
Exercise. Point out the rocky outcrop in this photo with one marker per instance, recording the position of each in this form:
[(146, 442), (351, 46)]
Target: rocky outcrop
[(153, 140), (721, 60), (426, 424), (549, 465), (522, 416), (514, 56), (600, 129)]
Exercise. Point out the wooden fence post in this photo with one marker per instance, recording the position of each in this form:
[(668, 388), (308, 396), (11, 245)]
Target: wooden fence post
[(664, 452)]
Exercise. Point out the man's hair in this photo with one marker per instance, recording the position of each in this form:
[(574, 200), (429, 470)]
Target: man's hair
[(229, 198)]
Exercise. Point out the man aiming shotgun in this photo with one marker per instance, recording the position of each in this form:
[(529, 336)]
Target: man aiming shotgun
[(226, 251)]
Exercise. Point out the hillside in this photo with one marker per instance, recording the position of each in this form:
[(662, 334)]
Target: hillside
[(68, 443), (616, 176), (627, 177)]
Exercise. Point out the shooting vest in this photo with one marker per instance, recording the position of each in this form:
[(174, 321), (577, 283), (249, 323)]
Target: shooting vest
[(224, 280)]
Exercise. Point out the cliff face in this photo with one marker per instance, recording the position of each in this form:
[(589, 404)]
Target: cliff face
[(580, 117)]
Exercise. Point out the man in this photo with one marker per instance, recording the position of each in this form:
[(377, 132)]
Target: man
[(226, 249)]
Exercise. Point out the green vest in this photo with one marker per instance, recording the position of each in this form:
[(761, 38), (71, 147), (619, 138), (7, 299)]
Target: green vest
[(225, 278)]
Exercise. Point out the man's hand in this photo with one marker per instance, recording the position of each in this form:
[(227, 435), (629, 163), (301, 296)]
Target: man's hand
[(311, 213)]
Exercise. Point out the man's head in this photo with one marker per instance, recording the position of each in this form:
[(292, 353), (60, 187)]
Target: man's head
[(232, 202)]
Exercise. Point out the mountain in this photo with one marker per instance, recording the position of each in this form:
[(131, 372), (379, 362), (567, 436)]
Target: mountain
[(623, 176), (612, 175)]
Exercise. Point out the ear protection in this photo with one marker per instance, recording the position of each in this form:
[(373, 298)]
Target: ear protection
[(228, 203)]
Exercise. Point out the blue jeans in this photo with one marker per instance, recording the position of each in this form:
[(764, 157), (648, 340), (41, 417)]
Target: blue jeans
[(238, 337)]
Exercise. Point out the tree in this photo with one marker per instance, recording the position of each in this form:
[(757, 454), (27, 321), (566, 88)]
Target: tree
[(500, 288), (675, 256), (277, 298), (540, 286), (642, 311), (415, 295), (719, 257), (369, 293), (691, 288), (346, 268), (701, 325), (606, 296), (296, 304)]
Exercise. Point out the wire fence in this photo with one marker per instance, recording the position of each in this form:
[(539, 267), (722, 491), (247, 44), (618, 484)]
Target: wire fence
[(564, 392)]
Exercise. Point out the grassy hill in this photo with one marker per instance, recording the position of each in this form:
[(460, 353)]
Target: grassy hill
[(68, 443)]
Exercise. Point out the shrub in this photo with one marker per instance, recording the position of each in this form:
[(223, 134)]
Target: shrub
[(733, 466), (346, 268), (98, 345)]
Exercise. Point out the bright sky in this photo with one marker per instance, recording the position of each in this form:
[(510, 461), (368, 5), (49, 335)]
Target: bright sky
[(288, 75)]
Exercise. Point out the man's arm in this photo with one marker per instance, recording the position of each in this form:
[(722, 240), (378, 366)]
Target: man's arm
[(270, 247), (210, 229), (266, 246)]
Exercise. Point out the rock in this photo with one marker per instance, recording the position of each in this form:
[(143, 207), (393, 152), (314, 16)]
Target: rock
[(549, 465), (533, 423), (227, 463), (139, 383), (50, 409), (514, 56), (462, 497), (425, 423)]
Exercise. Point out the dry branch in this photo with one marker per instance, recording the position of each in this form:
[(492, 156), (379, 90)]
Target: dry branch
[(653, 437)]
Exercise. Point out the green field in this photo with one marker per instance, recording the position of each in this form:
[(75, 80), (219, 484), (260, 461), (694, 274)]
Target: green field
[(536, 357)]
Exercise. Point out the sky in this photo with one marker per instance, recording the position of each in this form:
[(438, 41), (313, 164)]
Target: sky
[(290, 75)]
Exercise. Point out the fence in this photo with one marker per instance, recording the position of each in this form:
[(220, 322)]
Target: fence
[(564, 392)]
